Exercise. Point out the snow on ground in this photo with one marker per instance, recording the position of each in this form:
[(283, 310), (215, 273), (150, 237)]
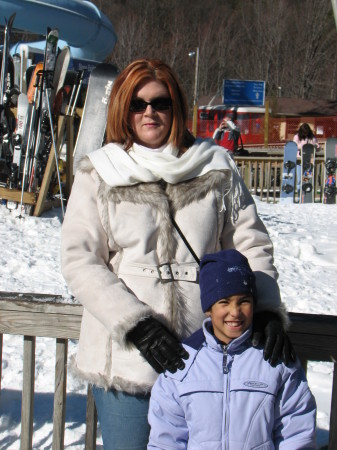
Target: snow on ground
[(306, 258)]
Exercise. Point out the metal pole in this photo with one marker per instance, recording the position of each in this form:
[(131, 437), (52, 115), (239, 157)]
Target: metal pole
[(195, 98)]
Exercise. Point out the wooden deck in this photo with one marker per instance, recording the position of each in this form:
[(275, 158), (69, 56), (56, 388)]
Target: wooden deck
[(30, 315), (263, 176)]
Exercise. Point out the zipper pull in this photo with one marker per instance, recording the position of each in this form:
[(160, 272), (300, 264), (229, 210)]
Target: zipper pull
[(224, 360)]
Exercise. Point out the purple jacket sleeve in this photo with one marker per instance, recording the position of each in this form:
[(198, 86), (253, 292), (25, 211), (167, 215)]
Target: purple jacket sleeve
[(295, 413), (166, 417)]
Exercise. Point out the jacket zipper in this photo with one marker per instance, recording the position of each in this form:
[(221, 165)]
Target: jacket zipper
[(224, 360), (225, 371)]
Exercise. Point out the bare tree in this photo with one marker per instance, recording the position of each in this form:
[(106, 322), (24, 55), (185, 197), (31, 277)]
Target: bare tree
[(290, 44)]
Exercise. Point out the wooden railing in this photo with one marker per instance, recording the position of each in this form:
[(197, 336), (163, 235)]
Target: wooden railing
[(313, 336), (33, 315), (262, 176)]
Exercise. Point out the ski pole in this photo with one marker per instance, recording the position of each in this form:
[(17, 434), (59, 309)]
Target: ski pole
[(55, 149)]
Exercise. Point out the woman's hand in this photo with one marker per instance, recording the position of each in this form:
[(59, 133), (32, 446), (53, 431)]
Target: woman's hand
[(158, 345), (223, 124), (268, 330)]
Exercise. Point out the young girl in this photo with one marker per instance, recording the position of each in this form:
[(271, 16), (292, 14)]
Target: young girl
[(228, 396)]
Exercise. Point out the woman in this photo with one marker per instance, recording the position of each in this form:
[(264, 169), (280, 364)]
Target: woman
[(126, 263), (304, 136), (229, 132)]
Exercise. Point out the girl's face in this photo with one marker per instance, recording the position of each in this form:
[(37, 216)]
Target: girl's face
[(231, 316), (151, 124)]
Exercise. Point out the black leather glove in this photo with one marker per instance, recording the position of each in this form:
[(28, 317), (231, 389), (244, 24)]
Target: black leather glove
[(158, 345), (268, 330)]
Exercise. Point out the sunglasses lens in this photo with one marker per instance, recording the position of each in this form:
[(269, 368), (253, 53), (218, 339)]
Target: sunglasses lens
[(138, 105), (159, 104)]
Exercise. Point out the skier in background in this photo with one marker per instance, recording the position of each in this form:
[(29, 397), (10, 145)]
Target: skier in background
[(228, 133), (305, 135)]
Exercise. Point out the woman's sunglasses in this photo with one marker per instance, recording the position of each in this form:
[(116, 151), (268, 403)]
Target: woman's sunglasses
[(138, 105)]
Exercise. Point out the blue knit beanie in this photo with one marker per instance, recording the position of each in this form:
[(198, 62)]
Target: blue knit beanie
[(223, 274)]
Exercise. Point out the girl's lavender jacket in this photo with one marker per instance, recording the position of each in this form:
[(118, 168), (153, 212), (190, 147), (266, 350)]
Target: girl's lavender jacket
[(228, 397)]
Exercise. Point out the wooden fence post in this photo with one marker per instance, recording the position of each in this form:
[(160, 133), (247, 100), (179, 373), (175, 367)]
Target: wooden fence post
[(60, 393), (27, 407), (91, 420)]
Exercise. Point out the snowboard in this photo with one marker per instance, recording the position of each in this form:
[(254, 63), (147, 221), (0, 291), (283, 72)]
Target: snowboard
[(288, 174), (329, 193), (61, 68), (307, 174), (92, 127)]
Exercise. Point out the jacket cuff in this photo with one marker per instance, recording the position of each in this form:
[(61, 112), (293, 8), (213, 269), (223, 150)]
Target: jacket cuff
[(130, 321)]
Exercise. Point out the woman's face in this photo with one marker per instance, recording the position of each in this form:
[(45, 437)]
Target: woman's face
[(151, 127)]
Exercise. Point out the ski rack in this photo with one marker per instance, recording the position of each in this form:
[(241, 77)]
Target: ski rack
[(38, 200)]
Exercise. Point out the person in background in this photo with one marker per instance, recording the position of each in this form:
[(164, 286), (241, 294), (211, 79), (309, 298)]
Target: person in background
[(304, 135), (228, 133), (125, 262), (228, 396)]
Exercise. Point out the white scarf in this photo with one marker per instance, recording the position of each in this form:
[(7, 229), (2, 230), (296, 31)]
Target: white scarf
[(141, 165)]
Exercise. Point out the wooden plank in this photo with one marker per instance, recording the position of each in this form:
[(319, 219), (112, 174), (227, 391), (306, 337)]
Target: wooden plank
[(268, 178), (41, 307), (91, 421), (60, 393), (313, 324), (38, 315), (40, 324), (314, 347), (29, 296), (14, 195), (333, 412), (27, 406), (51, 165), (261, 178), (276, 165), (255, 177), (246, 167)]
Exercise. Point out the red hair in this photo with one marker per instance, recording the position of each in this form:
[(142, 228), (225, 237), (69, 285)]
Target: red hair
[(118, 128)]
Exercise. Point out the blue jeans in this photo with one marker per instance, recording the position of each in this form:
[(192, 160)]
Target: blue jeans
[(123, 419)]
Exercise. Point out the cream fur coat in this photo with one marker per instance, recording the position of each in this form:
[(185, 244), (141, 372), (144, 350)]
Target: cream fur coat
[(114, 240)]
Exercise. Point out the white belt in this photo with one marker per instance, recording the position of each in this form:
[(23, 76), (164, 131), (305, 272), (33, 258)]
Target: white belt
[(165, 272)]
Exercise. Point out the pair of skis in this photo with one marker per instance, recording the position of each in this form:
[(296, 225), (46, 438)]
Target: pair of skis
[(34, 133)]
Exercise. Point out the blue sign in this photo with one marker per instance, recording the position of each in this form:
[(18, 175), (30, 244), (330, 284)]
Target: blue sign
[(243, 92)]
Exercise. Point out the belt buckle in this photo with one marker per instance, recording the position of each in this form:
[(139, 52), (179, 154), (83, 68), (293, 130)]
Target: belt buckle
[(168, 272)]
